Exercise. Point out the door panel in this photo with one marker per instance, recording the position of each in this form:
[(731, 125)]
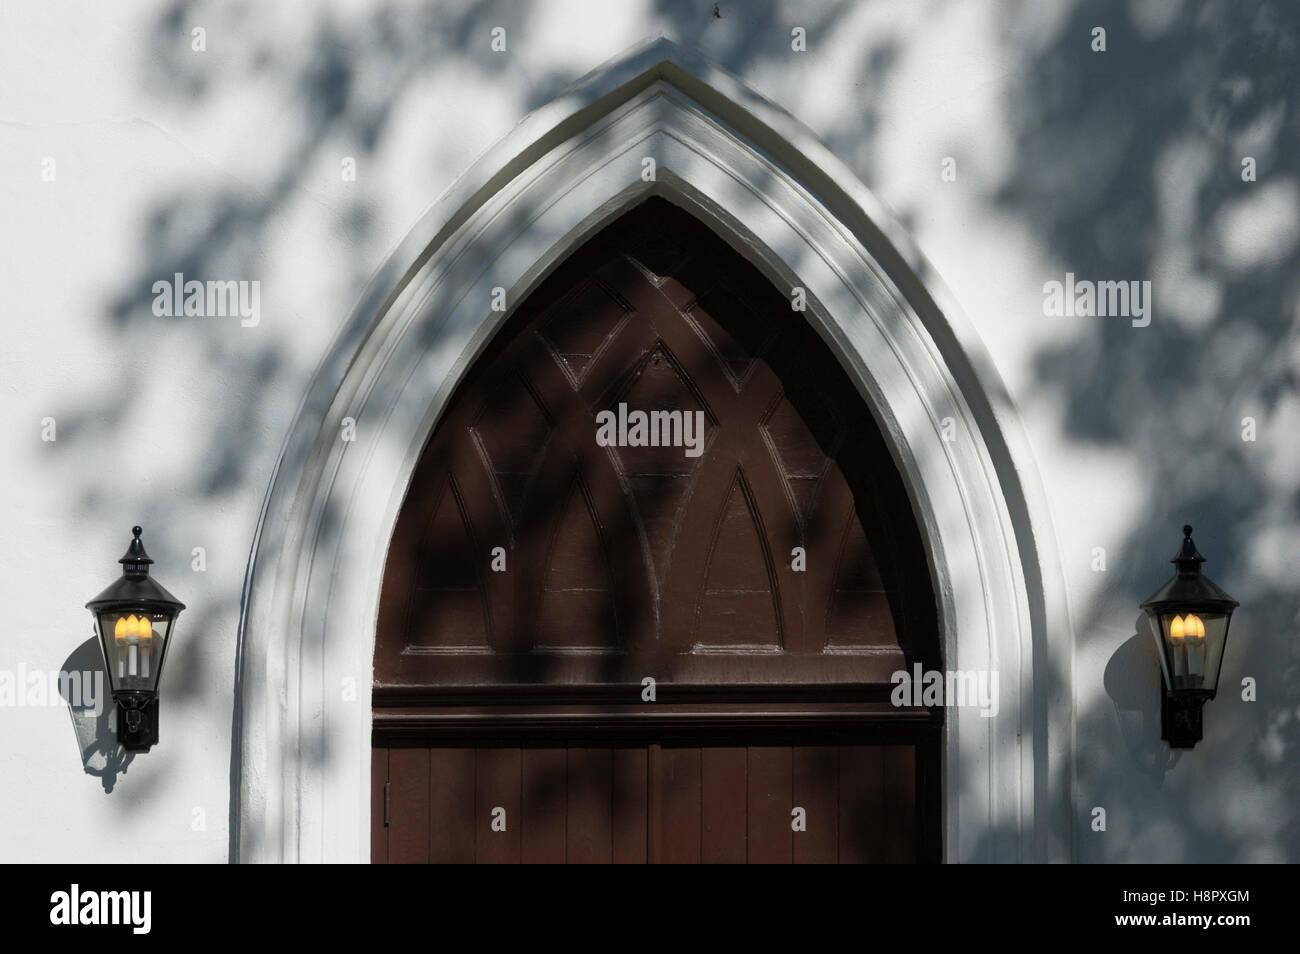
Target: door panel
[(632, 803), (451, 804), (647, 558), (816, 790), (544, 813), (629, 805), (861, 804), (590, 806), (770, 803), (723, 787), (408, 801), (676, 786), (497, 819)]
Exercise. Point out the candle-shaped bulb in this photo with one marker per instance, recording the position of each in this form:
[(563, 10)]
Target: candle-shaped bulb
[(132, 645), (1194, 627), (146, 644), (119, 635), (1177, 636)]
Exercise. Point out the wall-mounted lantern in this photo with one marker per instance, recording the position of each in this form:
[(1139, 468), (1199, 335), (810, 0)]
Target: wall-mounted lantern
[(1189, 618), (134, 619)]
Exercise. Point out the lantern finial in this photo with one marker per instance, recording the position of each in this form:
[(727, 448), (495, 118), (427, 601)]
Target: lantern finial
[(1188, 558), (135, 560)]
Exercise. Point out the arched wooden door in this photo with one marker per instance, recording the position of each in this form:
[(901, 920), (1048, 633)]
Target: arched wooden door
[(612, 637)]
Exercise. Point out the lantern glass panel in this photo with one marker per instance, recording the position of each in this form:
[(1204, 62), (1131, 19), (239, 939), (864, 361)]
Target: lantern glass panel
[(1191, 649), (134, 642)]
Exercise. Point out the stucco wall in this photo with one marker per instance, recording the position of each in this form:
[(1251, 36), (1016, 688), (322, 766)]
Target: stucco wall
[(227, 163)]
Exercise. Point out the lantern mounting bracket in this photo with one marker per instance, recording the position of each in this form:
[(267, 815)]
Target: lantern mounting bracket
[(137, 720), (1180, 719)]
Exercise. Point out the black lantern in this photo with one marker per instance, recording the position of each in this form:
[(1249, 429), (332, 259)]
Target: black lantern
[(134, 619), (1189, 618)]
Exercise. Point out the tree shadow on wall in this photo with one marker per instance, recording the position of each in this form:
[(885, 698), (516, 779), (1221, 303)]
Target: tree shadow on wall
[(1126, 165), (1129, 166)]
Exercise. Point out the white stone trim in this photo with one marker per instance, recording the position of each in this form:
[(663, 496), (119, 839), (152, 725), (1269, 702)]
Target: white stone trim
[(763, 183)]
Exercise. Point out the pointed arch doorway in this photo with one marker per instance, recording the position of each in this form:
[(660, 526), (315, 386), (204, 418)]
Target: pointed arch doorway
[(301, 767), (665, 644)]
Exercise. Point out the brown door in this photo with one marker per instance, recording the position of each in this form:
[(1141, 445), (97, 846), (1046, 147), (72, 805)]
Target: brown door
[(649, 584), (632, 803)]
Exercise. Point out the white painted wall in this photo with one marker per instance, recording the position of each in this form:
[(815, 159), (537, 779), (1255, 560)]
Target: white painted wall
[(226, 164)]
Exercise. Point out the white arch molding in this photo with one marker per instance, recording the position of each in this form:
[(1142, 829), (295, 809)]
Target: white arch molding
[(301, 759)]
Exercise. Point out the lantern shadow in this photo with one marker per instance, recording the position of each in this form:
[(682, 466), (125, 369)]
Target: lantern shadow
[(1132, 680), (90, 706)]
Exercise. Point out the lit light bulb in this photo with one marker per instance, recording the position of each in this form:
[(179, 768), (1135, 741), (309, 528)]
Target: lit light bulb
[(132, 645), (1177, 634), (119, 635), (1196, 652), (146, 645)]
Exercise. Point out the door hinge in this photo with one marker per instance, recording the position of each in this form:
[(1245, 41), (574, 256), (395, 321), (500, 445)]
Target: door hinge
[(388, 802)]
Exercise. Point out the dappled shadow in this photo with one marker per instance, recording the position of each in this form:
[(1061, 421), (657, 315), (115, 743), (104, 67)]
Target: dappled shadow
[(1129, 167), (1125, 165), (341, 94)]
